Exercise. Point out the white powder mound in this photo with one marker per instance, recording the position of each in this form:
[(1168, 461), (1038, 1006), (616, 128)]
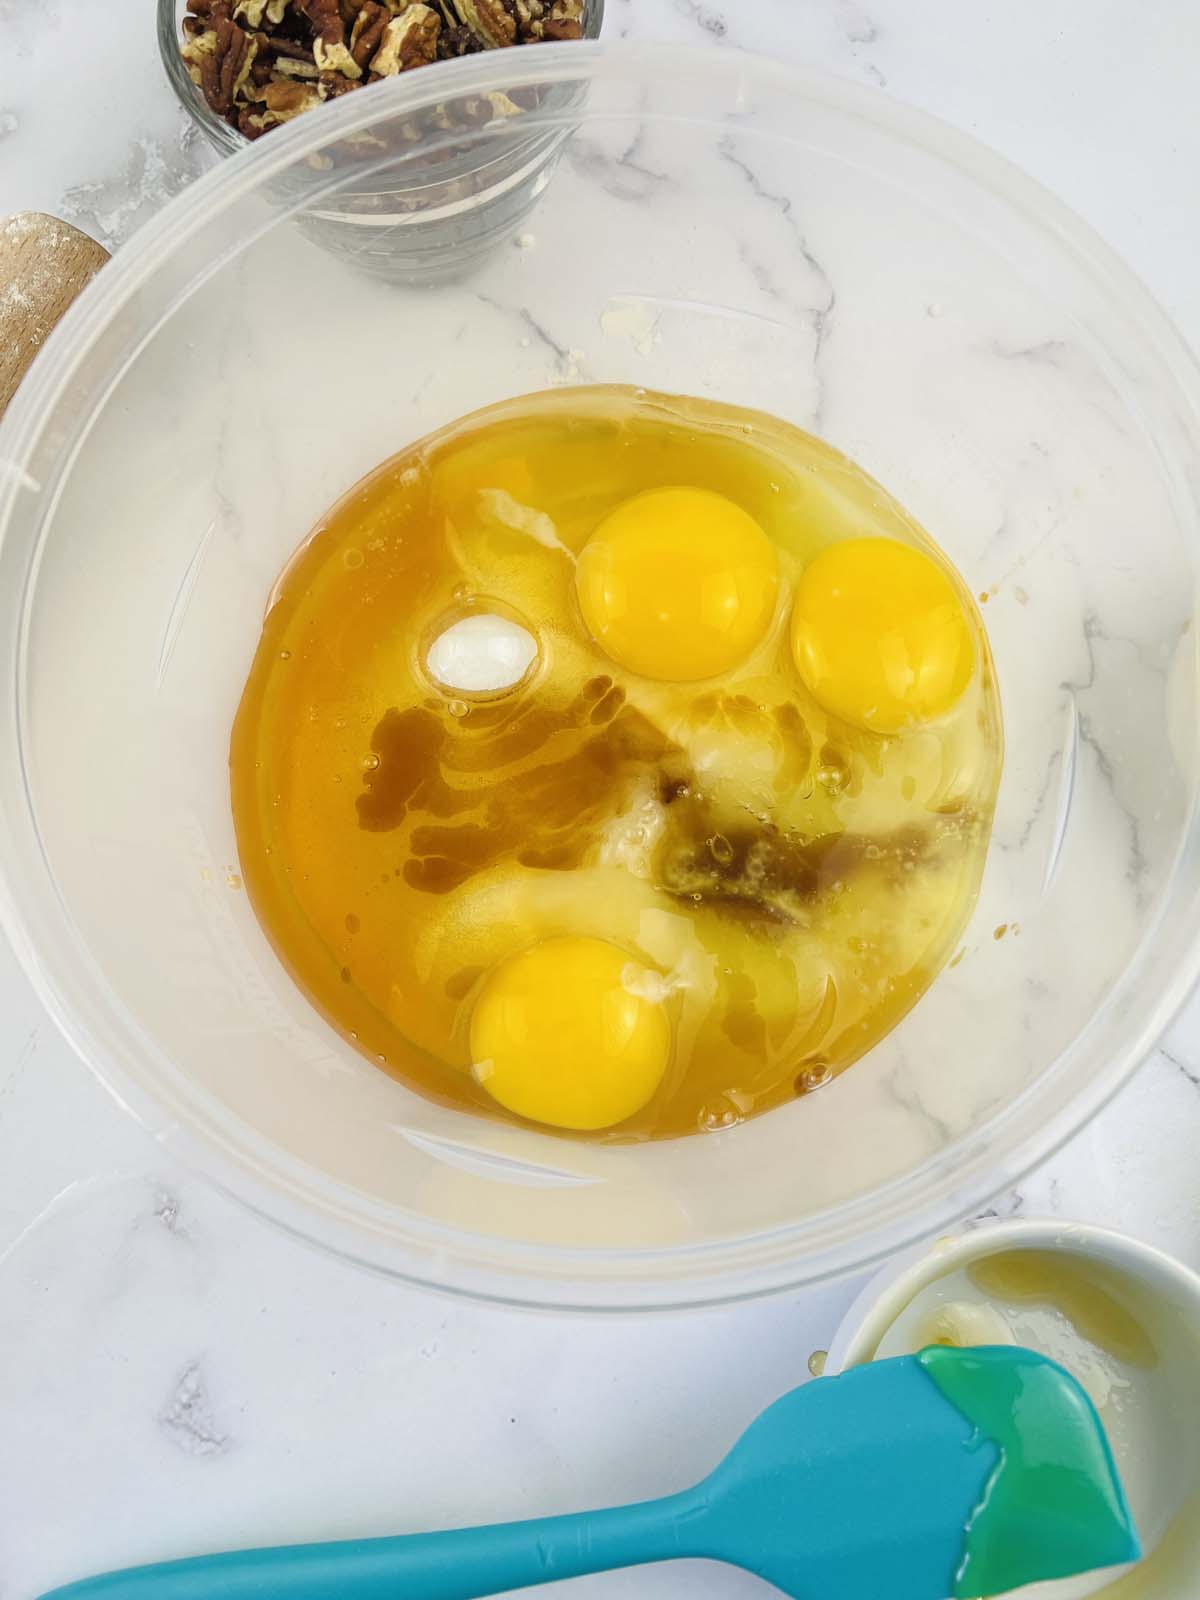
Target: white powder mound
[(481, 654)]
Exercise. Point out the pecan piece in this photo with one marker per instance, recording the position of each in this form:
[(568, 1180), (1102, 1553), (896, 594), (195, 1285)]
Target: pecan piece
[(329, 44), (325, 20), (225, 68), (251, 12), (564, 20), (502, 106), (335, 58), (292, 49), (367, 33), (252, 124), (335, 85), (293, 67), (457, 41), (260, 75), (287, 100), (409, 40), (198, 46), (529, 20), (254, 12), (491, 21)]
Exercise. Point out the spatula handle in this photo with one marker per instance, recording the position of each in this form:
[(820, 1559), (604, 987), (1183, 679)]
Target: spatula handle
[(460, 1565)]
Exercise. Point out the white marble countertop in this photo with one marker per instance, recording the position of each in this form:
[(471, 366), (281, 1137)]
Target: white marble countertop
[(175, 1376)]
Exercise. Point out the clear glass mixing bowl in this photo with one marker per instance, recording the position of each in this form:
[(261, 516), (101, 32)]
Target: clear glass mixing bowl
[(718, 226)]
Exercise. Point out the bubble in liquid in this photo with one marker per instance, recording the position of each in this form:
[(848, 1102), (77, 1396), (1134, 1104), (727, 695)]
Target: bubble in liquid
[(814, 1076), (353, 558), (720, 849), (718, 1115), (816, 1363), (457, 708), (369, 763), (285, 655)]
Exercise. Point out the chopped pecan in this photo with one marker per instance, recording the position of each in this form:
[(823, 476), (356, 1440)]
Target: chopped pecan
[(564, 20), (292, 49), (493, 22), (261, 62), (255, 12), (501, 105), (335, 84), (409, 40), (335, 58), (252, 124), (225, 67), (367, 31), (197, 47), (329, 44), (287, 100), (457, 41), (294, 67), (325, 18)]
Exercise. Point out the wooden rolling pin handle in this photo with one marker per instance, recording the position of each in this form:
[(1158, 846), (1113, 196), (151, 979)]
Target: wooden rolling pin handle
[(44, 263)]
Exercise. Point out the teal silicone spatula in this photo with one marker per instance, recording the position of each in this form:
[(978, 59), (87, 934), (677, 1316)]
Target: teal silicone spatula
[(949, 1473)]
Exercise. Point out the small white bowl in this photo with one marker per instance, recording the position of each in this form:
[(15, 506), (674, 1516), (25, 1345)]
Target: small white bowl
[(1160, 1456)]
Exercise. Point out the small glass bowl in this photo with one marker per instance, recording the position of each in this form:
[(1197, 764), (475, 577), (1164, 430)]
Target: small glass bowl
[(421, 221)]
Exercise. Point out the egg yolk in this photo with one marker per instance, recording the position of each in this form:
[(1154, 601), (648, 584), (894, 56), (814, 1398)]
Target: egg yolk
[(560, 1035), (879, 635), (678, 584)]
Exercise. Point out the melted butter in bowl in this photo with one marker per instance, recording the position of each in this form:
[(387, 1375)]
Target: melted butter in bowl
[(1122, 1319)]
